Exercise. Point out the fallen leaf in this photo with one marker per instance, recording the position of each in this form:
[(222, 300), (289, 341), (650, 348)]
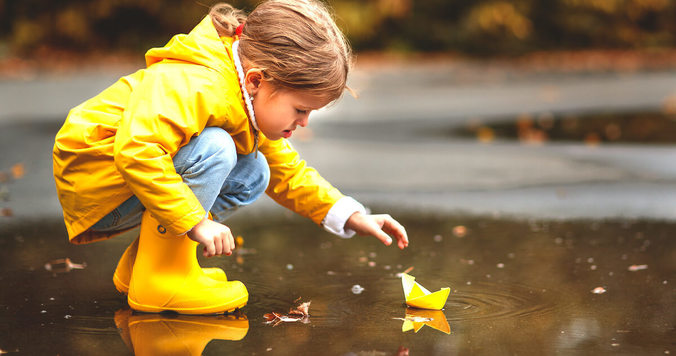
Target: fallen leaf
[(299, 313), (269, 317), (6, 212), (302, 309), (18, 171)]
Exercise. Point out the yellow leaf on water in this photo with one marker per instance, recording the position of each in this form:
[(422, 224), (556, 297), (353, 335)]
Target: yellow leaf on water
[(18, 171)]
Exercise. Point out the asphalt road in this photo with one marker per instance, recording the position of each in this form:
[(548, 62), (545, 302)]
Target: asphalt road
[(392, 149)]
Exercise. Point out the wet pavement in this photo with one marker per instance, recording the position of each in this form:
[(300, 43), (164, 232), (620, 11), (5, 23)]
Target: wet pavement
[(527, 288), (568, 245)]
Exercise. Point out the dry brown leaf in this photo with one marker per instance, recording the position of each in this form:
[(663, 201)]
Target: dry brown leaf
[(302, 310), (6, 212), (299, 313)]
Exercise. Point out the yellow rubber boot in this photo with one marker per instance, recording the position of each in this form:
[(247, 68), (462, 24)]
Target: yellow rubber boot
[(122, 273), (166, 276)]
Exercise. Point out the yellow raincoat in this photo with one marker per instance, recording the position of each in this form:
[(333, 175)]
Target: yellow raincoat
[(121, 142)]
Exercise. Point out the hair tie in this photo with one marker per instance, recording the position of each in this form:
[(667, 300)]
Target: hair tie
[(239, 29)]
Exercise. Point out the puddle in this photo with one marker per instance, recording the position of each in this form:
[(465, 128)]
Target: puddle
[(517, 287), (606, 127)]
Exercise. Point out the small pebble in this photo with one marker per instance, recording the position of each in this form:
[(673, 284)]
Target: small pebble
[(372, 264), (67, 316), (501, 265), (459, 231), (437, 238), (289, 266), (598, 290), (634, 268), (357, 289)]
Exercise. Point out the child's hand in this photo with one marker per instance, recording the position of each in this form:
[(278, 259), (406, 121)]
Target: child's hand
[(216, 238), (378, 226)]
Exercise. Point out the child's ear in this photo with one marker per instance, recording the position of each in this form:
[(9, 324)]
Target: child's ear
[(253, 80)]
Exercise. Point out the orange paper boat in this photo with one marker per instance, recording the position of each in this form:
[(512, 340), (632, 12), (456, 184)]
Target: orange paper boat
[(419, 297), (415, 319)]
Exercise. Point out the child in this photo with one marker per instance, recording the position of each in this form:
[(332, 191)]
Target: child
[(180, 145)]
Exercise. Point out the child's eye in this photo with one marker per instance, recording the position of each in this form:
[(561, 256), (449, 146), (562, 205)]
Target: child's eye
[(302, 112)]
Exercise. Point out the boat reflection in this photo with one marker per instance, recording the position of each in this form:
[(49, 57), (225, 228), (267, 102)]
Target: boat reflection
[(415, 319)]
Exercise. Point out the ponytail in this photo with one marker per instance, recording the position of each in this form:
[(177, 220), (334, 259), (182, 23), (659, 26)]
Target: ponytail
[(226, 19)]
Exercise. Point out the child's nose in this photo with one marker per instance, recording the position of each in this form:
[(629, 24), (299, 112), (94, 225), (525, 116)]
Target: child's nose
[(304, 121)]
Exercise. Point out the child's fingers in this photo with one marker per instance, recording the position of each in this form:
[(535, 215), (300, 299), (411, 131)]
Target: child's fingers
[(209, 249), (227, 244), (232, 243), (218, 244), (382, 236), (395, 229)]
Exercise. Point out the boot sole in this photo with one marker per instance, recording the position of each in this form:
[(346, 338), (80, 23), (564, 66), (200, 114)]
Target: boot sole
[(215, 309)]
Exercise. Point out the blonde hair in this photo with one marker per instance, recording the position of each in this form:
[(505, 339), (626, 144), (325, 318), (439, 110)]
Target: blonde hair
[(296, 43)]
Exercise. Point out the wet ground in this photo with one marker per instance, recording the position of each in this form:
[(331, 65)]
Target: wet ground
[(518, 287), (551, 224)]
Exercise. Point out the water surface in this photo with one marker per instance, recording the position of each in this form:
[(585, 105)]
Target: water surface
[(517, 287)]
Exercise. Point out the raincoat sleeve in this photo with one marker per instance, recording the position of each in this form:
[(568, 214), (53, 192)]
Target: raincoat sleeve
[(296, 186), (168, 106)]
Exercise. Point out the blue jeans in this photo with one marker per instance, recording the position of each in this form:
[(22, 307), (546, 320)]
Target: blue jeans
[(221, 179)]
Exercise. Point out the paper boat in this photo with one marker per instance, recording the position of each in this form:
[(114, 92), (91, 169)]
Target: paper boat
[(417, 318), (419, 297)]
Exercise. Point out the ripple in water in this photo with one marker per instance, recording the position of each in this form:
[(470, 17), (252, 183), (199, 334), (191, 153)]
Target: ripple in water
[(497, 301)]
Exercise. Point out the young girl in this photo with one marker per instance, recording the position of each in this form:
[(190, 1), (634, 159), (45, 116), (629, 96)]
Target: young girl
[(178, 146)]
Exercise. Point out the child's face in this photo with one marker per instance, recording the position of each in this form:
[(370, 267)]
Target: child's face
[(279, 112)]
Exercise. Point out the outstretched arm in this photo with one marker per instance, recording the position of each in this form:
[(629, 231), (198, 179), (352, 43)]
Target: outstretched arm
[(380, 226)]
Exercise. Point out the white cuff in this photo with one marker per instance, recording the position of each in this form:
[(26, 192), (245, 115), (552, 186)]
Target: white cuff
[(335, 219)]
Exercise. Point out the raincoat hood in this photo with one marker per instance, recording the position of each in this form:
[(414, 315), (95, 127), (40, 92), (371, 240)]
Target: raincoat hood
[(201, 46)]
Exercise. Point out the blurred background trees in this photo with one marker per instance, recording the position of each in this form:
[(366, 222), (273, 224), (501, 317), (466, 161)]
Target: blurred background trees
[(478, 27)]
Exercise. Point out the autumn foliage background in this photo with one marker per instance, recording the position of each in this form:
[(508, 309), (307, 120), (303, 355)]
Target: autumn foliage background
[(30, 28)]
